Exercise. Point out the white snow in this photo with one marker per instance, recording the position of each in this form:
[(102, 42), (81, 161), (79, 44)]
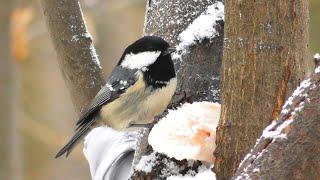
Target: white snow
[(255, 170), (188, 132), (277, 133), (306, 83), (273, 133), (317, 70), (94, 55), (203, 27), (317, 56), (88, 35), (203, 174), (298, 92), (146, 163), (109, 153), (75, 38), (140, 60)]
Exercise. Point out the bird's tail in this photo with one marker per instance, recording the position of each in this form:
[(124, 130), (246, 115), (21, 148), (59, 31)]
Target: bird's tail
[(82, 131)]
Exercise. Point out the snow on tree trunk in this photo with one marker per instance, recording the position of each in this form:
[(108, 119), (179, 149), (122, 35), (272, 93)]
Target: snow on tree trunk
[(195, 28), (289, 148), (76, 53), (264, 58)]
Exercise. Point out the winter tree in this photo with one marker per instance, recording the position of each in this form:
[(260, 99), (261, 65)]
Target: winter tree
[(264, 47), (264, 60)]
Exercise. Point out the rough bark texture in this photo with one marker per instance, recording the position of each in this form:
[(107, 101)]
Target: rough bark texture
[(294, 152), (264, 59), (76, 53), (198, 73)]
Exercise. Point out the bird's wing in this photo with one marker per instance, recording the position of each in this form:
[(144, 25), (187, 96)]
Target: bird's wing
[(120, 80), (118, 83)]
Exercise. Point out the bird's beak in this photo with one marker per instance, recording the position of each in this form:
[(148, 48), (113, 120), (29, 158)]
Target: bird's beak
[(169, 51)]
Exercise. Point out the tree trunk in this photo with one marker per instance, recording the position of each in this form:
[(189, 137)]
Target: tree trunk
[(198, 71), (264, 59), (289, 148), (76, 53)]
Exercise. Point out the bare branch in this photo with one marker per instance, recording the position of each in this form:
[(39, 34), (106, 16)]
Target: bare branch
[(76, 53)]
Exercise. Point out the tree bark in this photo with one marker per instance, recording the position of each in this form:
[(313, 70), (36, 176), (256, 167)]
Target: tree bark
[(76, 53), (265, 53), (292, 151), (198, 73)]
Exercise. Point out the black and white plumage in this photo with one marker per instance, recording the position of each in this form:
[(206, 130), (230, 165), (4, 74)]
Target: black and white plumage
[(139, 88)]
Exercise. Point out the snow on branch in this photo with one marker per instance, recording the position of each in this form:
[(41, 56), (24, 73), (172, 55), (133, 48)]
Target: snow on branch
[(74, 46), (188, 132), (289, 146), (87, 35), (203, 27), (184, 134)]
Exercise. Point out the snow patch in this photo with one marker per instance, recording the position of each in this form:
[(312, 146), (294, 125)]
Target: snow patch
[(188, 132), (146, 163), (93, 52), (94, 55), (275, 130), (203, 27), (75, 38), (298, 92), (277, 133), (140, 60)]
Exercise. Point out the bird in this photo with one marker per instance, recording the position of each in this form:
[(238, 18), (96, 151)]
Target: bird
[(139, 88)]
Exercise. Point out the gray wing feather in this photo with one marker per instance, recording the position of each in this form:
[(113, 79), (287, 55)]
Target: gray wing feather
[(104, 96)]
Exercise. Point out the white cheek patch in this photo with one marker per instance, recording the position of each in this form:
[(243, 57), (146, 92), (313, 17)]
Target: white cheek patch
[(140, 60)]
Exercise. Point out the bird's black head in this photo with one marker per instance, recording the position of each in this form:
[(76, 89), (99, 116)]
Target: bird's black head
[(151, 55)]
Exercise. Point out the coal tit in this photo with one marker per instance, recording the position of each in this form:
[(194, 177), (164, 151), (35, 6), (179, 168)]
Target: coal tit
[(139, 88)]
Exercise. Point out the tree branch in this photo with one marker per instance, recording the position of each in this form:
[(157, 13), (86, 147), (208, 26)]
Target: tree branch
[(76, 53), (198, 70), (290, 147), (264, 59)]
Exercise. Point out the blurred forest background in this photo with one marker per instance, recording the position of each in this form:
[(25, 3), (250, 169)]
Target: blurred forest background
[(37, 116)]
